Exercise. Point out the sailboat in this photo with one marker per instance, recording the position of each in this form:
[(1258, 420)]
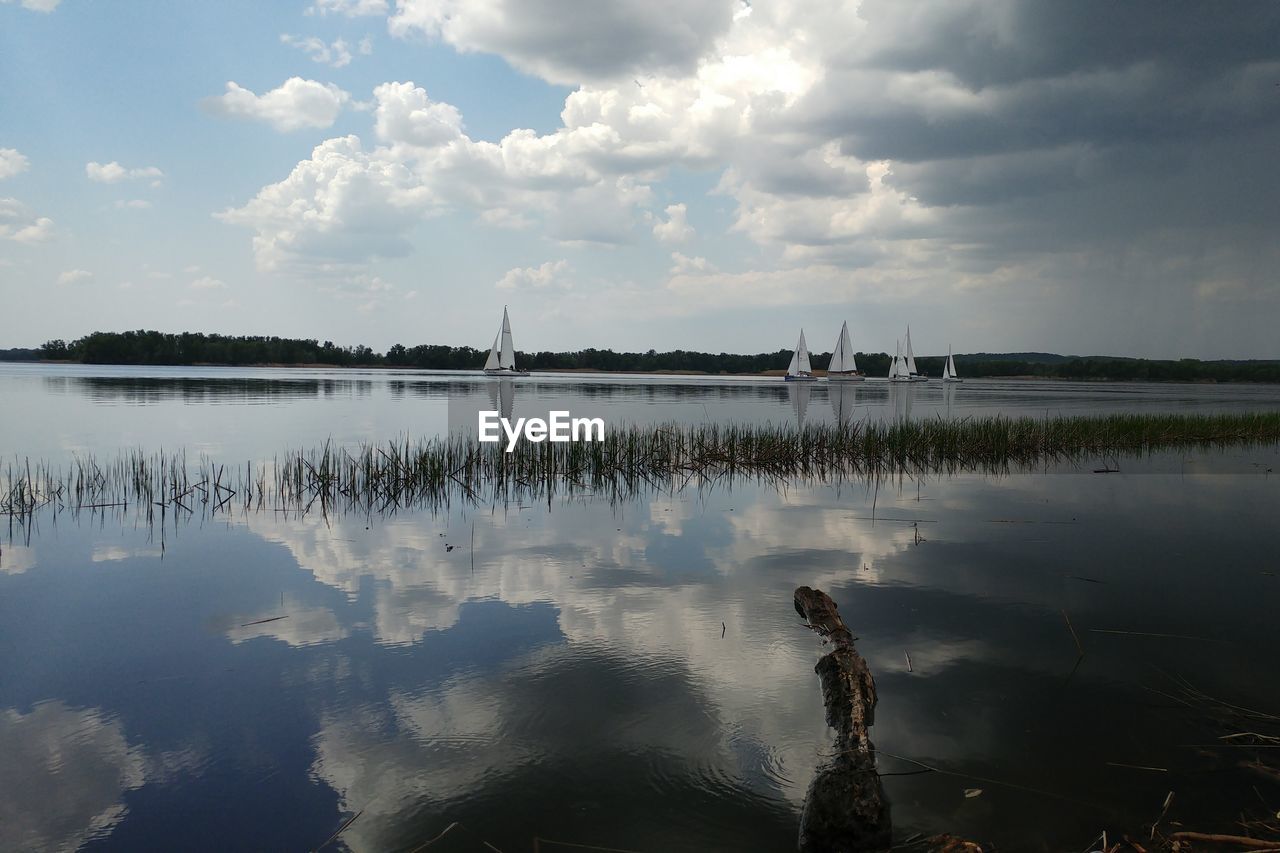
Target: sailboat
[(949, 370), (842, 367), (912, 373), (799, 369), (898, 367), (502, 358)]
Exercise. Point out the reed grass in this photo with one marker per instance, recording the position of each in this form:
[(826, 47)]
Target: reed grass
[(430, 473)]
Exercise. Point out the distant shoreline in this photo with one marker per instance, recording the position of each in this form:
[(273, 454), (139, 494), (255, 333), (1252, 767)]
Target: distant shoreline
[(767, 374)]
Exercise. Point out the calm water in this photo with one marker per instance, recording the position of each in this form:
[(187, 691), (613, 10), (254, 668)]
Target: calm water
[(630, 676)]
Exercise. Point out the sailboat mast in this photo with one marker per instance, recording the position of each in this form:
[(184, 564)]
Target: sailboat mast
[(507, 356)]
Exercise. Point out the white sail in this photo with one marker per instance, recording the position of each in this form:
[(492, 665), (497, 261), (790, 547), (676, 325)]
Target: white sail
[(802, 354), (793, 368), (893, 365), (491, 363), (842, 360), (949, 371), (911, 359), (507, 357)]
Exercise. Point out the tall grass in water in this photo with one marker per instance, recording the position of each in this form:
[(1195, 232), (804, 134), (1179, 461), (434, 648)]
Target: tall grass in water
[(432, 472)]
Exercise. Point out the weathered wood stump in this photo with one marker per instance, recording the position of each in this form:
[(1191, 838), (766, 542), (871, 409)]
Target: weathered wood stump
[(845, 808)]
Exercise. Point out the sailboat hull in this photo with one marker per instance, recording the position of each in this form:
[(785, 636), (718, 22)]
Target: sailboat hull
[(845, 377), (799, 378), (952, 379), (505, 371)]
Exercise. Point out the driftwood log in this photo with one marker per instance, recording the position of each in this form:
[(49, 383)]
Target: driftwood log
[(845, 808)]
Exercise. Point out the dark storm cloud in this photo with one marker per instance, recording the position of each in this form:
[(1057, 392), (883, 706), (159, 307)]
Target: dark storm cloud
[(1008, 41), (1062, 123)]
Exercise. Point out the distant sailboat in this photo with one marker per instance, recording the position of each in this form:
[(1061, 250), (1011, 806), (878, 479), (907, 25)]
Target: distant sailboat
[(949, 371), (898, 367), (843, 368), (799, 369), (912, 373), (502, 358)]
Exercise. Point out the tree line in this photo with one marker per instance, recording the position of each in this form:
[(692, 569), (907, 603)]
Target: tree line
[(151, 347)]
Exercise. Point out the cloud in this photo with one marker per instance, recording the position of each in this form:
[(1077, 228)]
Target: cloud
[(74, 276), (294, 105), (348, 8), (207, 283), (19, 224), (685, 265), (549, 274), (336, 54), (133, 204), (675, 229), (45, 6), (564, 41), (404, 114), (349, 204), (65, 775), (962, 148), (342, 206), (114, 173), (12, 162)]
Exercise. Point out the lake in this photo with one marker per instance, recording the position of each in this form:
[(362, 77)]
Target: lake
[(626, 674)]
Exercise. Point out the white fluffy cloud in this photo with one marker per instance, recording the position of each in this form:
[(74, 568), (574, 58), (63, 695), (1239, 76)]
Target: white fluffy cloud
[(207, 283), (565, 41), (349, 204), (45, 6), (549, 274), (404, 114), (348, 8), (12, 162), (114, 173), (19, 224), (293, 105), (336, 53), (74, 276), (343, 205), (676, 228)]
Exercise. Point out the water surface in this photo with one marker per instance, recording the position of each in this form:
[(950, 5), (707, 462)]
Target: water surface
[(630, 675)]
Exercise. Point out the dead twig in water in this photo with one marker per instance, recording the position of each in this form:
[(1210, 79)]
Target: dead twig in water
[(457, 825), (1074, 635), (538, 841), (264, 621), (1218, 838), (1153, 634), (347, 823)]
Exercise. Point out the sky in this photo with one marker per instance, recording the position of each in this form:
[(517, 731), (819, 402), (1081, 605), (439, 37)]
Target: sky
[(1003, 175)]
